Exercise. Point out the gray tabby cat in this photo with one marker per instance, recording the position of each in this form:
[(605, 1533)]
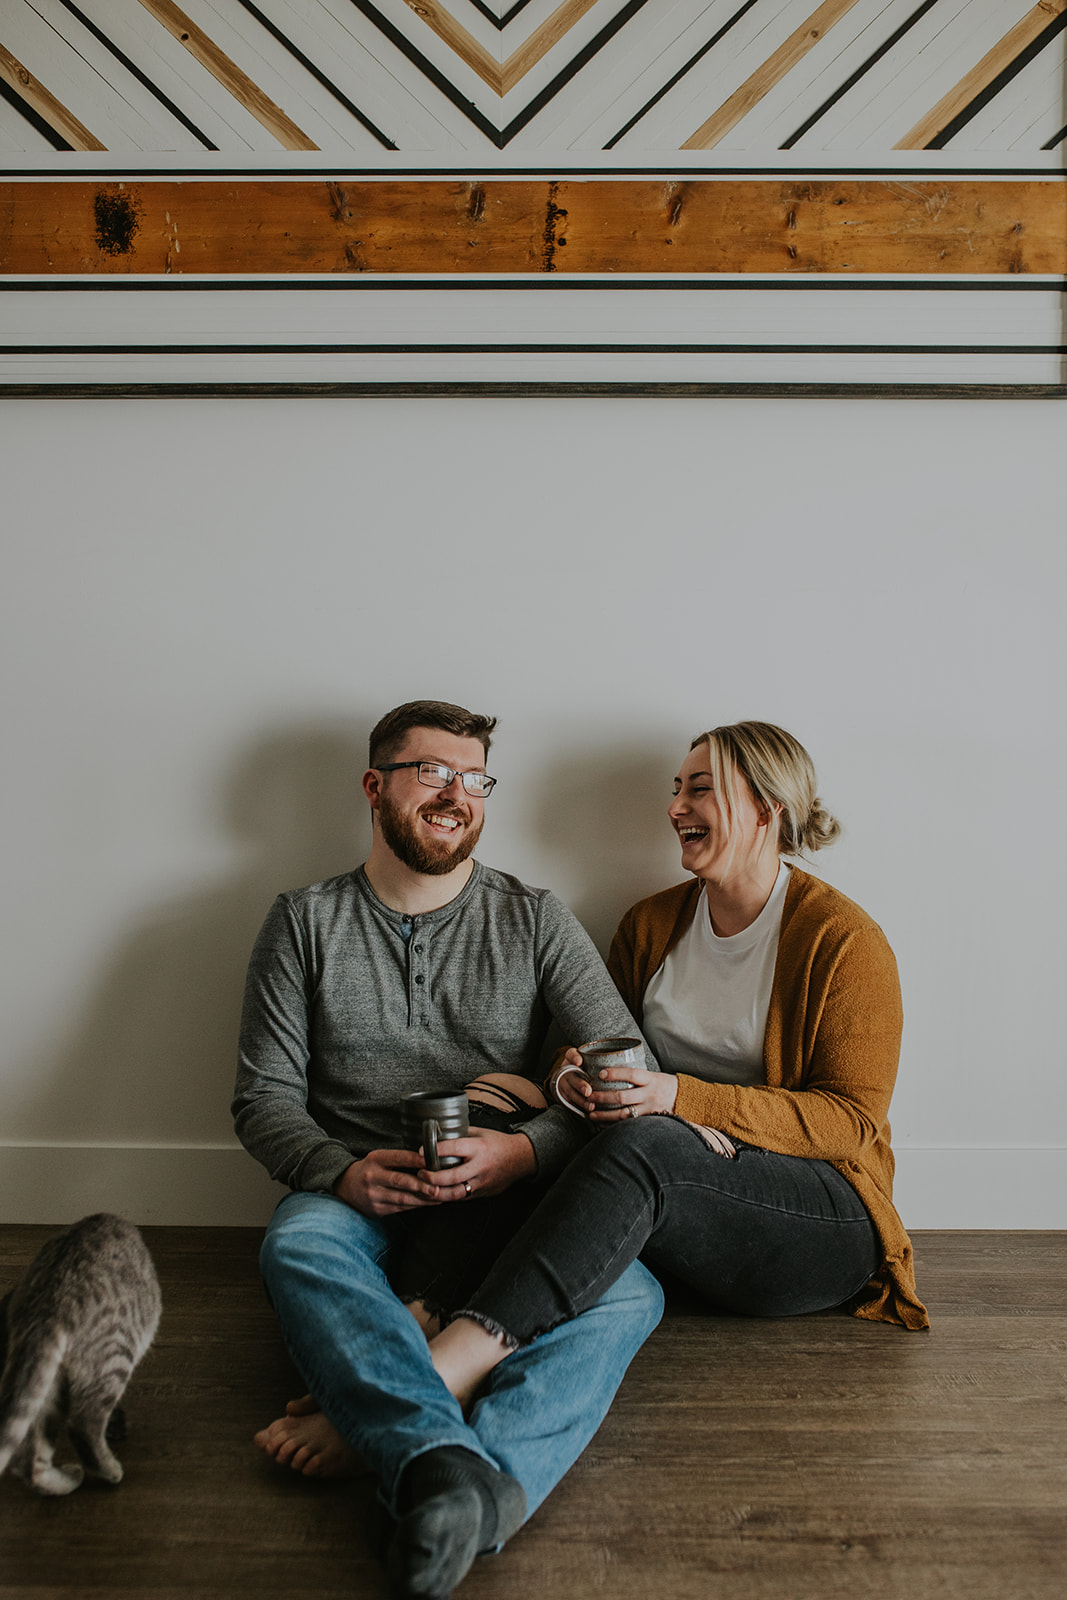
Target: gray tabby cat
[(74, 1329)]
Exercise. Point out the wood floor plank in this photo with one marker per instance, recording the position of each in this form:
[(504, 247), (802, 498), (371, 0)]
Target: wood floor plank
[(817, 1458)]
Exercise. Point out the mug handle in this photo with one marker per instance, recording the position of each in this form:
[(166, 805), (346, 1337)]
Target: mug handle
[(430, 1132)]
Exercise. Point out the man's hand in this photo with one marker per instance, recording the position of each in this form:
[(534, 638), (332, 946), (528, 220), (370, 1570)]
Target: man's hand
[(491, 1162), (384, 1182)]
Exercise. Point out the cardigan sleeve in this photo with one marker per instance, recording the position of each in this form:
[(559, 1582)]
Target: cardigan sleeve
[(836, 1048)]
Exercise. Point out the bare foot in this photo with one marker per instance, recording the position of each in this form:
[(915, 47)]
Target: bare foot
[(306, 1440)]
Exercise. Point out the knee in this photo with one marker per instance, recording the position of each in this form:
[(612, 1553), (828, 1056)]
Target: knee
[(650, 1133), (512, 1084), (640, 1142), (302, 1225), (638, 1297)]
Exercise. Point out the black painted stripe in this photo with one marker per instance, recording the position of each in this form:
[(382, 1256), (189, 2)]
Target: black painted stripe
[(428, 70), (136, 72), (1002, 79), (678, 76), (23, 107), (540, 284), (546, 348), (500, 22), (578, 389), (1056, 139), (317, 73), (860, 72), (582, 59)]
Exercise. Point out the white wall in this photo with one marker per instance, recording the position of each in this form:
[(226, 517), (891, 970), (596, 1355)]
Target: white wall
[(209, 602)]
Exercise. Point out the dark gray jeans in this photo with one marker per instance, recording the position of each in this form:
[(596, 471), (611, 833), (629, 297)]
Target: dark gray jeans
[(763, 1235)]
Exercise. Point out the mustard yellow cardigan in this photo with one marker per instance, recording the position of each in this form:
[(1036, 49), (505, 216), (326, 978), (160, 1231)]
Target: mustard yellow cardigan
[(830, 1055)]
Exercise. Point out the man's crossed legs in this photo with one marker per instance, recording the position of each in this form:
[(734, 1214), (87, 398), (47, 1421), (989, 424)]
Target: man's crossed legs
[(365, 1359), (305, 1439)]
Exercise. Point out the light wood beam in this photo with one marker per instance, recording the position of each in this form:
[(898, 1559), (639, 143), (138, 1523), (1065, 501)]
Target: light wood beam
[(1014, 42), (229, 74), (500, 76), (465, 45), (764, 79), (45, 104), (541, 41)]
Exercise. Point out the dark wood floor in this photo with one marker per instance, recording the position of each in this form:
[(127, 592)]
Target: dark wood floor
[(818, 1457)]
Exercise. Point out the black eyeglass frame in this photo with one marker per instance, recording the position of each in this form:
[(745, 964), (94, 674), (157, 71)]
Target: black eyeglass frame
[(488, 784)]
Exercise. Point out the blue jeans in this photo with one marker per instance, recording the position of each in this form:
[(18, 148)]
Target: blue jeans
[(366, 1361)]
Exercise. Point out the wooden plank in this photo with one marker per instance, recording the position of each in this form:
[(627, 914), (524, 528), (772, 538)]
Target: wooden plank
[(500, 77), (229, 74), (773, 70), (954, 226), (45, 104), (452, 33), (992, 63), (541, 41), (818, 1458)]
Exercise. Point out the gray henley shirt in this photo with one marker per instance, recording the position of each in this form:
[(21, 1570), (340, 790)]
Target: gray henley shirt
[(349, 1006)]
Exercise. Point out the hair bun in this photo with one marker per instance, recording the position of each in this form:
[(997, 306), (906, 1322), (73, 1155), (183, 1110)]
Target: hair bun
[(819, 829)]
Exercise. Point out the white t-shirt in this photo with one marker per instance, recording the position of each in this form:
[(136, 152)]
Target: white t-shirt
[(705, 1010)]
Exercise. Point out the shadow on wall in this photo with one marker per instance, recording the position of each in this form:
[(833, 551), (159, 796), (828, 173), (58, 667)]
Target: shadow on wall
[(158, 1046), (154, 1059), (603, 815)]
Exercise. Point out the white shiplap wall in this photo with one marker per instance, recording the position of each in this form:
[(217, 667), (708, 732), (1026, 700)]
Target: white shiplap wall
[(390, 63)]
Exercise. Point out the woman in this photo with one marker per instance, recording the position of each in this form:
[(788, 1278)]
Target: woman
[(756, 1166)]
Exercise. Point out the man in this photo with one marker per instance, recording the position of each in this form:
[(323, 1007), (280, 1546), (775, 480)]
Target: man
[(422, 969)]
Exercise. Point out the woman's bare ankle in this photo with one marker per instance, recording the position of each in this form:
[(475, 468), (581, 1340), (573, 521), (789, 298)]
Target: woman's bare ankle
[(464, 1354)]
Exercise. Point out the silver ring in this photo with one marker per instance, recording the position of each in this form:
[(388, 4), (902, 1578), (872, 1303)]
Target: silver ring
[(467, 1186), (632, 1110)]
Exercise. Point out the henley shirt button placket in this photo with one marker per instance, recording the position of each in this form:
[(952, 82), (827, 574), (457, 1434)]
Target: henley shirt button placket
[(419, 1001)]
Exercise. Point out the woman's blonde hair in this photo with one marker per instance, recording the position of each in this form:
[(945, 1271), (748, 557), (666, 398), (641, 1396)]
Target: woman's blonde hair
[(781, 776)]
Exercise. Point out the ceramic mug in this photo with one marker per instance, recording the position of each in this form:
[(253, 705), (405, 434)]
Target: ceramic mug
[(431, 1115), (601, 1053)]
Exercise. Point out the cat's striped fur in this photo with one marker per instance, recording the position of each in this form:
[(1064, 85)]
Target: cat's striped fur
[(74, 1329)]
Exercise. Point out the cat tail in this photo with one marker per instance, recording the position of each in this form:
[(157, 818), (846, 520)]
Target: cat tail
[(29, 1382)]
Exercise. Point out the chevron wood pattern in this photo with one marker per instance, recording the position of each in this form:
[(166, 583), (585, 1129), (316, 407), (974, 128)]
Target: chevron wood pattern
[(359, 77), (350, 196), (1027, 36)]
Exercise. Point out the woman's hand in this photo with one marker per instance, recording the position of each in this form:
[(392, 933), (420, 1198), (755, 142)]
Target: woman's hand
[(650, 1092)]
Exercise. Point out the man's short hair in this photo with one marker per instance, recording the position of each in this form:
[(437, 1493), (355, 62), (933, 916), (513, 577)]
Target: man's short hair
[(390, 733)]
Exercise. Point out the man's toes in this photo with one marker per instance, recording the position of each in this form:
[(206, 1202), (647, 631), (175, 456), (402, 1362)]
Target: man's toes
[(306, 1406)]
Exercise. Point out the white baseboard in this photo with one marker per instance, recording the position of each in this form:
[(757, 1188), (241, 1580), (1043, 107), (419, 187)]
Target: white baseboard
[(170, 1185), (193, 1187)]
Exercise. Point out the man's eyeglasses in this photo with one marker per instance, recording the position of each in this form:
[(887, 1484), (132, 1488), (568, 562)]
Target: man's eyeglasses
[(435, 776)]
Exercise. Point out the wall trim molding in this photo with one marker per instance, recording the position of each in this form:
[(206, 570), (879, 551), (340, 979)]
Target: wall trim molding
[(196, 1186)]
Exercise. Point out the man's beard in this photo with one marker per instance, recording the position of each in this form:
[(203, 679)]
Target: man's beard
[(420, 853)]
